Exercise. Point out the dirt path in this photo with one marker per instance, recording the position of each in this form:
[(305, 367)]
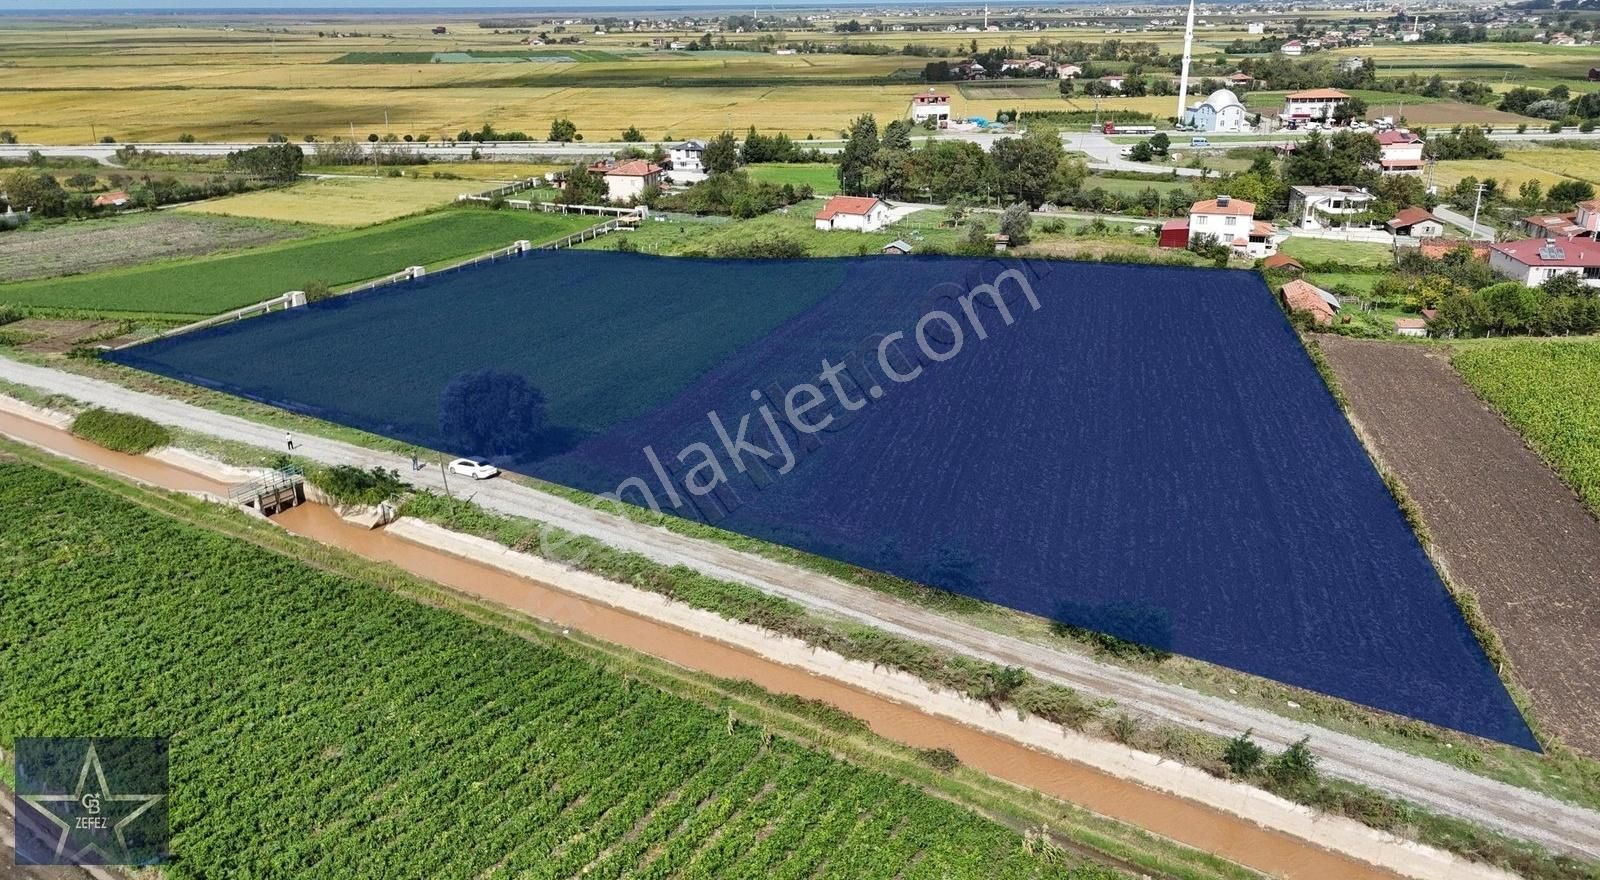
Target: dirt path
[(1504, 524), (1446, 789)]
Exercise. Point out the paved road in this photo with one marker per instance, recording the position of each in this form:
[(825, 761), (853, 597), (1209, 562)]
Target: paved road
[(1099, 147), (1441, 787), (1485, 232)]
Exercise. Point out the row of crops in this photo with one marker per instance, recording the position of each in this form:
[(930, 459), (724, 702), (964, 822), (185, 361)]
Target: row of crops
[(323, 727), (1550, 392)]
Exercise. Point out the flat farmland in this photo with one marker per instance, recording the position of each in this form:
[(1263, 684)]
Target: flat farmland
[(1173, 437), (337, 201), (209, 285), (1507, 529), (441, 748), (1550, 392), (823, 177), (97, 245)]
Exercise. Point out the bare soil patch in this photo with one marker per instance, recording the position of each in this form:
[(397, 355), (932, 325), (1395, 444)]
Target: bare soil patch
[(1504, 525), (94, 245), (53, 336)]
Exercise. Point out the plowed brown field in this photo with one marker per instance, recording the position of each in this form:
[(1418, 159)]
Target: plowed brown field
[(1504, 525)]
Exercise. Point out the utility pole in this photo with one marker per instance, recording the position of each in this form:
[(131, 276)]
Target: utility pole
[(1476, 204), (445, 473)]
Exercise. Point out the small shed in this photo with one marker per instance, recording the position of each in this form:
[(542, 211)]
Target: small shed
[(1411, 326), (1284, 263), (1174, 234), (898, 247)]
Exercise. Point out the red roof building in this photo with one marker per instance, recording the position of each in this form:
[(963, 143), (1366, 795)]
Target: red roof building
[(1283, 262), (1304, 297), (859, 213)]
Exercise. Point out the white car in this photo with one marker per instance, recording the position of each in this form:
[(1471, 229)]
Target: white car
[(473, 468)]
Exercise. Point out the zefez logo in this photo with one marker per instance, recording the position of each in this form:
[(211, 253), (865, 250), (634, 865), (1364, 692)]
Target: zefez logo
[(91, 801)]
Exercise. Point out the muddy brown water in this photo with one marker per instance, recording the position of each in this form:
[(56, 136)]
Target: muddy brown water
[(1189, 822)]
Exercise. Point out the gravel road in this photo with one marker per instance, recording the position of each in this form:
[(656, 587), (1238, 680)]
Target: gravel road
[(1441, 787)]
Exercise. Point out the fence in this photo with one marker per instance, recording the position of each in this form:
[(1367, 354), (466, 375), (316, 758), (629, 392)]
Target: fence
[(288, 301), (490, 195), (593, 232)]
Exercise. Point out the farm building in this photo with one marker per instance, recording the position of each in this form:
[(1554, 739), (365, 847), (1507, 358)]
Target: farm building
[(1069, 71), (1112, 82), (1533, 261), (1316, 207), (1174, 234), (1240, 80), (1312, 103), (898, 247), (855, 213), (1301, 296), (1582, 223), (1220, 111), (687, 156), (930, 105), (1399, 152), (115, 199), (1294, 48), (1415, 222), (1411, 327), (629, 180), (1282, 262)]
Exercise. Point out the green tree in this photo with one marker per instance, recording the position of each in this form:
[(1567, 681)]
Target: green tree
[(583, 187), (897, 135), (855, 160), (1567, 193), (27, 189), (82, 181), (1016, 223), (1160, 143), (721, 154), (1243, 755), (562, 130), (7, 136), (1026, 167), (633, 135), (1142, 152)]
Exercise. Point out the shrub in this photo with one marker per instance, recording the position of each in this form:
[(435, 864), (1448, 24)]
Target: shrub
[(1295, 767), (352, 485), (9, 315), (1242, 755), (119, 431), (942, 760), (316, 290)]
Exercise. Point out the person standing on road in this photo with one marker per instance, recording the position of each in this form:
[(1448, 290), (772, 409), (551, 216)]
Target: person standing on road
[(288, 440)]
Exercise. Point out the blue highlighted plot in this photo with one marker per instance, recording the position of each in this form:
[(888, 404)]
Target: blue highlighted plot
[(1142, 451)]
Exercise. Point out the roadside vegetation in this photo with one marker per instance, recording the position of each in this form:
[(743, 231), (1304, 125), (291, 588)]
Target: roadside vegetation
[(120, 431)]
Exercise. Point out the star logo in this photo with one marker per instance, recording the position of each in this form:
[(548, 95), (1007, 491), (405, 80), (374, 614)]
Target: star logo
[(90, 825)]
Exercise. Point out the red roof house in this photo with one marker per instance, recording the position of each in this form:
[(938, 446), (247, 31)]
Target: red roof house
[(858, 213)]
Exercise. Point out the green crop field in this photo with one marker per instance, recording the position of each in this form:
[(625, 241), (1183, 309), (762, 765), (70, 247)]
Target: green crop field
[(210, 285), (322, 726), (823, 176), (1550, 392)]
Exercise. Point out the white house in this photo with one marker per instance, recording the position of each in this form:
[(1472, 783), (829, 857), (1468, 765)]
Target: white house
[(856, 213), (629, 180), (1316, 207), (1312, 103), (1069, 71), (1231, 222), (1220, 111), (687, 156), (1113, 81), (1294, 48), (1399, 152), (1256, 27), (1533, 261), (930, 105), (1416, 327)]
